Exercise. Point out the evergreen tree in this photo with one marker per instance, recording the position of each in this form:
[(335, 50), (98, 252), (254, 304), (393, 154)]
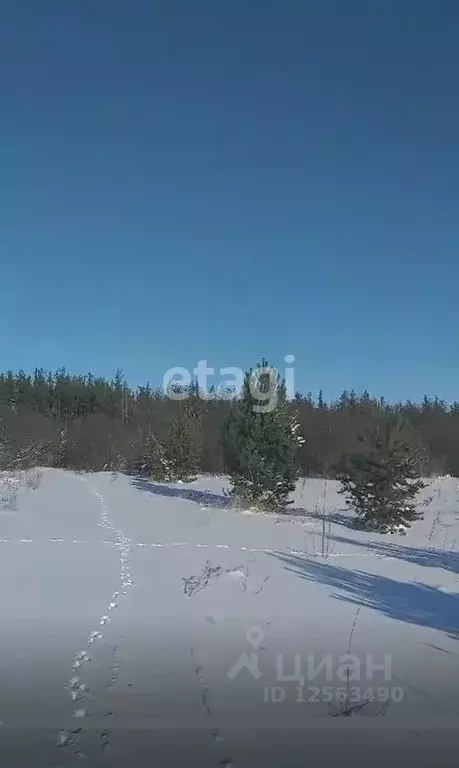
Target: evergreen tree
[(381, 484), (104, 416), (61, 450), (150, 458), (185, 441), (261, 440), (175, 456), (5, 447)]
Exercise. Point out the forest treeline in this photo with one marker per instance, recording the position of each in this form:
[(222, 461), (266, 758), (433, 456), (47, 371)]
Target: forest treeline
[(84, 422)]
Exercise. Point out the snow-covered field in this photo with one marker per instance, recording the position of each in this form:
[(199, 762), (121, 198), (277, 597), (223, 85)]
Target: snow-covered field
[(153, 625)]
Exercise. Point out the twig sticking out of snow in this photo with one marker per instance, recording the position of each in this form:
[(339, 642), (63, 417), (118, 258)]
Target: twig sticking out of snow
[(345, 707), (353, 629), (194, 584), (257, 591)]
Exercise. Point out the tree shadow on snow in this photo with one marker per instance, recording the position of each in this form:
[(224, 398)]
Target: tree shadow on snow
[(428, 557), (204, 498), (337, 517), (413, 603)]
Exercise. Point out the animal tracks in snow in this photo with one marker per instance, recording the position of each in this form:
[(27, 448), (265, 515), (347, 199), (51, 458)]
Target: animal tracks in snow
[(81, 658), (205, 701), (127, 581), (77, 689), (81, 696)]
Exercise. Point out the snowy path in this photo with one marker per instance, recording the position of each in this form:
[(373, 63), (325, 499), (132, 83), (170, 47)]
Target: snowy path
[(142, 624)]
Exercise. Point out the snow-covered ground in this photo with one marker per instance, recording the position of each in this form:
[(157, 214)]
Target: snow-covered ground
[(144, 624)]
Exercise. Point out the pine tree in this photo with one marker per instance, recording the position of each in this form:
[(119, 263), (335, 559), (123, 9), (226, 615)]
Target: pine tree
[(260, 442), (175, 456), (58, 453), (150, 458), (5, 448), (185, 441), (381, 484)]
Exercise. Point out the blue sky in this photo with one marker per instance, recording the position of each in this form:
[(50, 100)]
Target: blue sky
[(229, 179)]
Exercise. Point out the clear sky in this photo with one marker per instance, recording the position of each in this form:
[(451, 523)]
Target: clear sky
[(226, 179)]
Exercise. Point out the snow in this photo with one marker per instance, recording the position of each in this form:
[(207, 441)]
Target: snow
[(225, 635)]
